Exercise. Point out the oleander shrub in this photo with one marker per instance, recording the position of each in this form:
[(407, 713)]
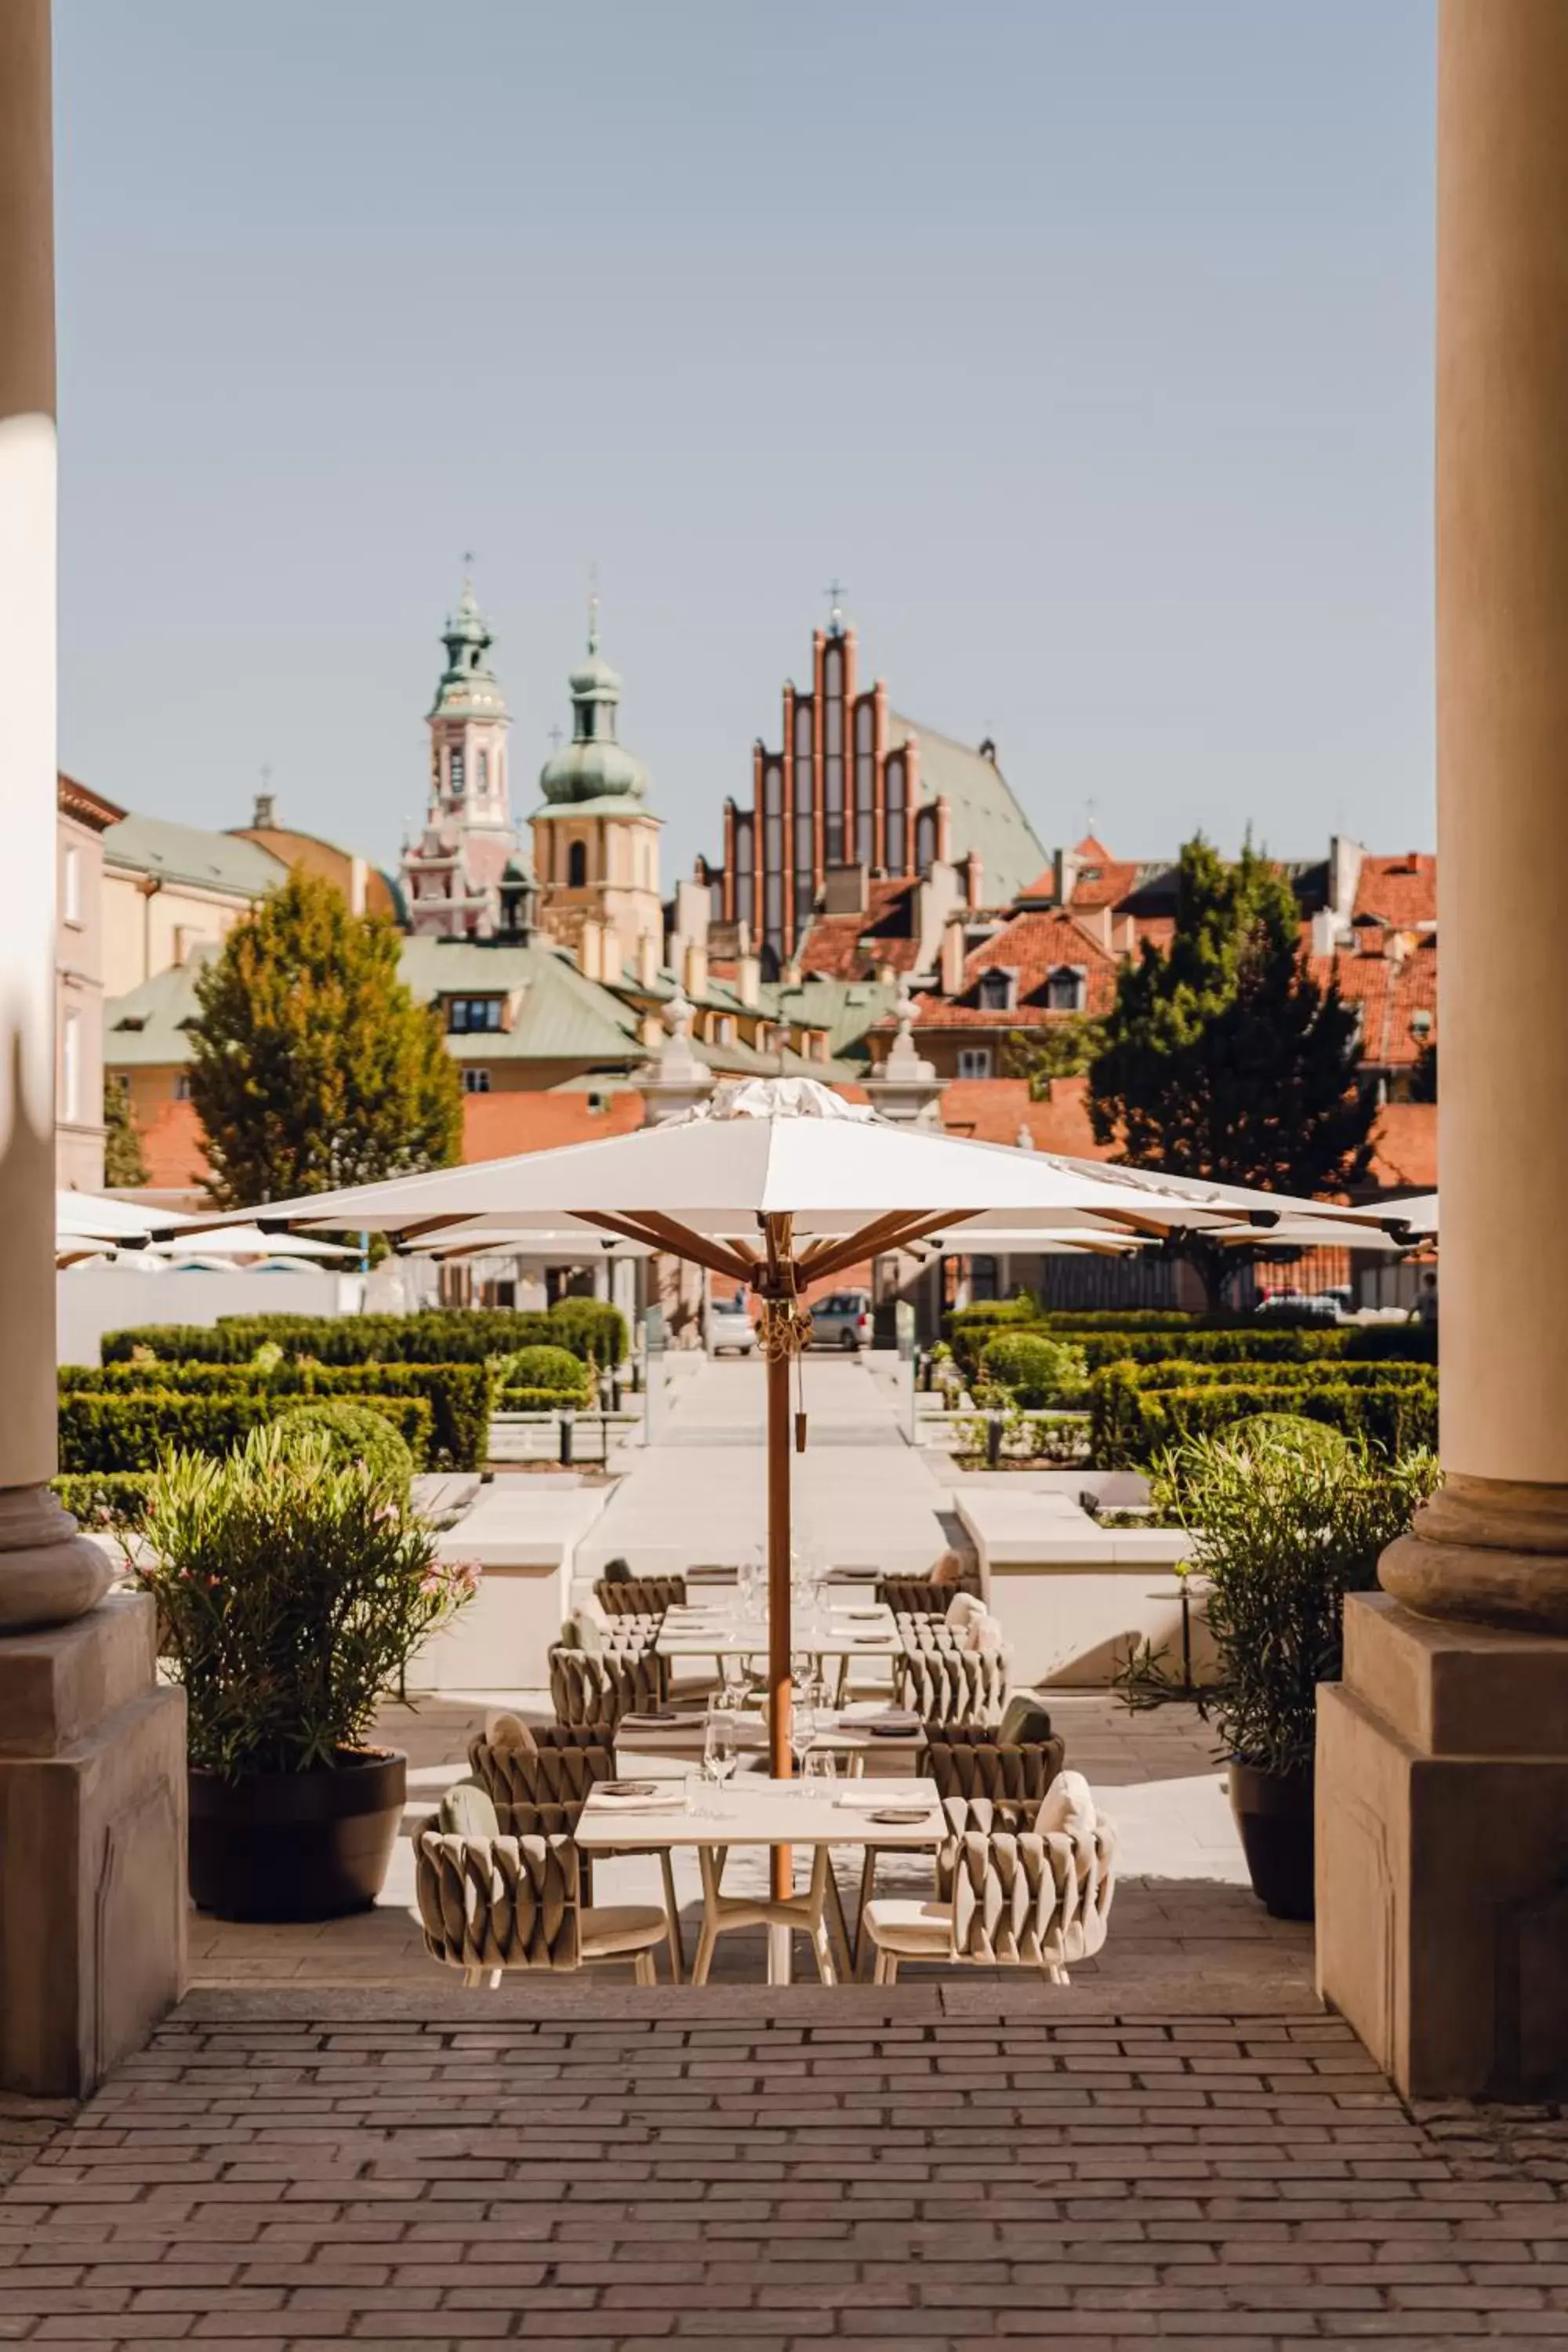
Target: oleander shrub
[(459, 1395), (1279, 1534), (292, 1593), (1035, 1369), (134, 1429), (545, 1368), (104, 1500), (351, 1433)]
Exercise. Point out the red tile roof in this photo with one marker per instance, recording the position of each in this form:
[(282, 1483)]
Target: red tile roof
[(1399, 891), (832, 945), (1404, 1147), (1032, 945), (1390, 990)]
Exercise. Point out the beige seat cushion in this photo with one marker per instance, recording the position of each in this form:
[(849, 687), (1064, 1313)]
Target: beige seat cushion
[(964, 1609), (610, 1928), (912, 1928)]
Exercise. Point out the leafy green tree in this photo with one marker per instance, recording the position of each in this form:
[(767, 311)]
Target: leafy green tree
[(124, 1161), (312, 1065), (1224, 1059), (1062, 1048)]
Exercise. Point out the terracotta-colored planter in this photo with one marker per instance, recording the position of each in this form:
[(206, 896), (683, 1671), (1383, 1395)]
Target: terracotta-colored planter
[(296, 1845)]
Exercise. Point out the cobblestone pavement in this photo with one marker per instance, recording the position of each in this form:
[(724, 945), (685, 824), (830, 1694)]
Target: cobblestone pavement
[(787, 2171)]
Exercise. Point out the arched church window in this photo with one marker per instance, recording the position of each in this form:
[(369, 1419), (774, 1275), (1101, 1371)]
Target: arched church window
[(925, 840), (577, 865), (455, 772)]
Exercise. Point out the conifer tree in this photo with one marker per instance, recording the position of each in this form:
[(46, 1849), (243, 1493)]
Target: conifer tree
[(1223, 1057), (312, 1064), (124, 1161)]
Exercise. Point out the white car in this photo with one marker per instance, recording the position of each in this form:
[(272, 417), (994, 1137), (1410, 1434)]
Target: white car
[(728, 1325)]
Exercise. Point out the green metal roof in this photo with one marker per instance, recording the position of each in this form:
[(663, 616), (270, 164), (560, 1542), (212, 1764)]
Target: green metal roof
[(187, 852), (144, 1029), (559, 1014), (986, 815), (846, 1009)]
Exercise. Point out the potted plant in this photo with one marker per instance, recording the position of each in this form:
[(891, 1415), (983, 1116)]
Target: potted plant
[(292, 1587), (1286, 1518)]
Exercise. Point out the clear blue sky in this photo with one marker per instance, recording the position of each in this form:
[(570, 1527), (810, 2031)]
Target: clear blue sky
[(1089, 344)]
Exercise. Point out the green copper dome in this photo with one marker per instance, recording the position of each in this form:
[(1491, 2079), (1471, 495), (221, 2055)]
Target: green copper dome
[(467, 687), (593, 766)]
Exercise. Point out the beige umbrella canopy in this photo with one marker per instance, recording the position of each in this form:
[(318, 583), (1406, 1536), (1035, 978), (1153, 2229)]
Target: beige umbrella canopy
[(776, 1183)]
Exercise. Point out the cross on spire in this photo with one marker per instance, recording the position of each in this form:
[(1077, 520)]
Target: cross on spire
[(554, 739)]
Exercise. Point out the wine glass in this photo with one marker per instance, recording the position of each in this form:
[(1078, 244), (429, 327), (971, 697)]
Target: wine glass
[(822, 1766), (803, 1722), (733, 1670), (719, 1748)]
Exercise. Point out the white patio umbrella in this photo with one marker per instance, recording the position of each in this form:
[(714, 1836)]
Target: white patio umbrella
[(246, 1241), (93, 1216), (776, 1183)]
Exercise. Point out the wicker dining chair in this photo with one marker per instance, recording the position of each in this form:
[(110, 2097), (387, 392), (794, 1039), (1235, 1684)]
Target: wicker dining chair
[(1039, 1897), (640, 1596), (597, 1687), (545, 1785), (490, 1903), (971, 1759)]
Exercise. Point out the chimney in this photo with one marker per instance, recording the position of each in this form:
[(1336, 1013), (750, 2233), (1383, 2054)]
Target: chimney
[(695, 977), (1064, 867), (1325, 932), (952, 960), (974, 880), (647, 960), (265, 817), (749, 978), (591, 949)]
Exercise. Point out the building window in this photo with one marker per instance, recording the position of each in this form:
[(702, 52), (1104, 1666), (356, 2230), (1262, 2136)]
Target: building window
[(577, 865), (974, 1061), (70, 1068), (805, 842), (745, 872), (982, 1282), (476, 1082), (1064, 991), (482, 770), (996, 991), (723, 1030), (70, 884), (464, 1014), (182, 1086), (898, 857), (455, 772), (925, 840)]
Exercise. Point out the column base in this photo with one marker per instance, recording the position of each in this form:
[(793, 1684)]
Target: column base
[(49, 1573), (1488, 1551), (1442, 1840), (92, 1848)]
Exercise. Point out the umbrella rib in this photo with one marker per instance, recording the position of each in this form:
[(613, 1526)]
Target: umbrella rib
[(661, 1233), (883, 1234)]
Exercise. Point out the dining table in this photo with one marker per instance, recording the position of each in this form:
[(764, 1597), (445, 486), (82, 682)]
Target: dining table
[(811, 1814)]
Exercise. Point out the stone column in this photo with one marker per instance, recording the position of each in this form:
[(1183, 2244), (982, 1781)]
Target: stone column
[(92, 1754), (1442, 1757)]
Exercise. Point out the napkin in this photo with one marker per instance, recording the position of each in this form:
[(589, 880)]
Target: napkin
[(879, 1800), (670, 1802)]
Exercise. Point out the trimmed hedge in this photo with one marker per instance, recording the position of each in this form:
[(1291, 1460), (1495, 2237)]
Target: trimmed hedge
[(1037, 1369), (352, 1433), (459, 1395), (133, 1428), (542, 1401), (588, 1326), (547, 1368), (1175, 1372), (1130, 1424), (104, 1498)]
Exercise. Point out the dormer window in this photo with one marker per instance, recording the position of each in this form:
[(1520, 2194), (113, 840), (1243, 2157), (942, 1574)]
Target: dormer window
[(997, 991), (1065, 990), (467, 1014)]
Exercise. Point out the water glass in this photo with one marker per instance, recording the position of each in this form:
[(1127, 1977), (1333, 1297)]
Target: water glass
[(821, 1766), (733, 1673), (801, 1726)]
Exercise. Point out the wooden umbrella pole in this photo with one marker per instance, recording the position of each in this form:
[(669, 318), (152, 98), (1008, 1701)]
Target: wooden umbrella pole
[(778, 1313)]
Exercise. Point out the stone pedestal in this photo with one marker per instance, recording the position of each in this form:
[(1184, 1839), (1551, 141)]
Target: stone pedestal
[(1443, 1852), (92, 1848)]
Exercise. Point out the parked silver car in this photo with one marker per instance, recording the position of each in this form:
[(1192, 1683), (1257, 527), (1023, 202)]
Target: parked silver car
[(842, 1320), (728, 1325)]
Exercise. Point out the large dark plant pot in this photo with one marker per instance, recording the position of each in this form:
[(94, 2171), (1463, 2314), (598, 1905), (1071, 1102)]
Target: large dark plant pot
[(296, 1845), (1274, 1815)]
